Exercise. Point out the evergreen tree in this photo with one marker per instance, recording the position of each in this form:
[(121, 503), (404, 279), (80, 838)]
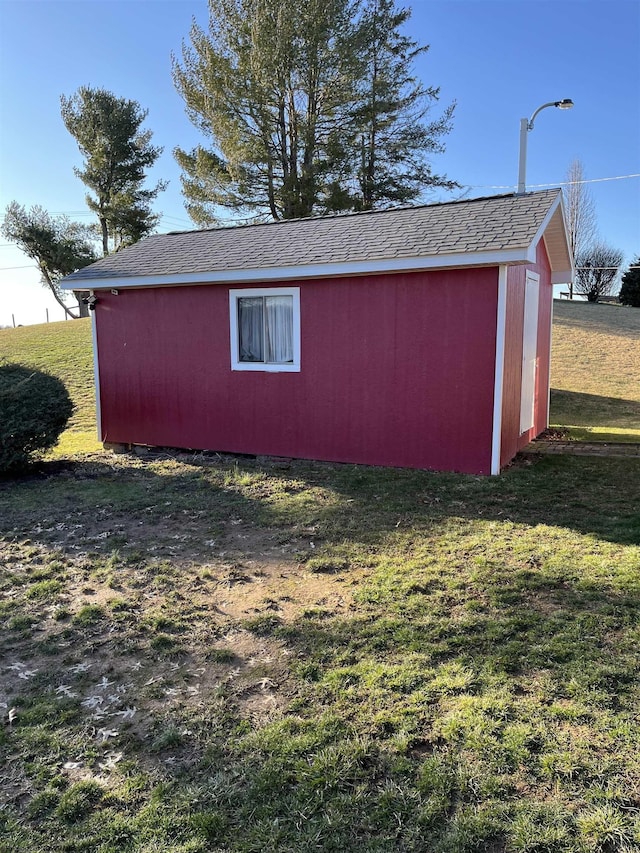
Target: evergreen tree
[(396, 139), (117, 153), (630, 289), (304, 114), (57, 245), (271, 84)]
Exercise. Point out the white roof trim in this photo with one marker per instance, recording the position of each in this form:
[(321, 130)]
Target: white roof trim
[(262, 274), (96, 372), (498, 384), (545, 222), (541, 234)]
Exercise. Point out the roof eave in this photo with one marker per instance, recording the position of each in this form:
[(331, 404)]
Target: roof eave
[(518, 255), (553, 229)]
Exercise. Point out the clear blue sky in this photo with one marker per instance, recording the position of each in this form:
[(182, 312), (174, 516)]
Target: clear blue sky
[(498, 60)]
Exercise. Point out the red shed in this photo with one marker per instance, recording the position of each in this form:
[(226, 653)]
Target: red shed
[(415, 337)]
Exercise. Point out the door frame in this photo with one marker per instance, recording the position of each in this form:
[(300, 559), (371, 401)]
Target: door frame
[(529, 376)]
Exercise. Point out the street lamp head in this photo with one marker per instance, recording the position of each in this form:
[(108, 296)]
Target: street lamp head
[(525, 127)]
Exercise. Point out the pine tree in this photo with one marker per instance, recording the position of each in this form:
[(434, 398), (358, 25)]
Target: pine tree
[(630, 288), (117, 153), (310, 108), (396, 138), (271, 84)]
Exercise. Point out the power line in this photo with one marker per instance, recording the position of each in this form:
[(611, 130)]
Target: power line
[(175, 218), (554, 184), (595, 180), (26, 267)]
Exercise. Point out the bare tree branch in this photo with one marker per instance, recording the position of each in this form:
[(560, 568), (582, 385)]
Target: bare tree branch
[(581, 213), (596, 271)]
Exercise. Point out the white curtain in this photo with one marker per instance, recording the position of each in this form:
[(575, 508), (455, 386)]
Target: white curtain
[(265, 329), (279, 329), (250, 328)]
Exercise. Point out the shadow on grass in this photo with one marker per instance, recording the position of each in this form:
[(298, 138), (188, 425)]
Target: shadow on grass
[(133, 503), (576, 409), (491, 694), (95, 506)]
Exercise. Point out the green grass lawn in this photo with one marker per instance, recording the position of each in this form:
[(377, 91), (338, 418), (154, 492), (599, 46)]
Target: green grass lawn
[(63, 349), (595, 371), (224, 655), (215, 654)]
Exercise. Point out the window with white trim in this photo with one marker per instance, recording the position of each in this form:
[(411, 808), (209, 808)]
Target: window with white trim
[(265, 329)]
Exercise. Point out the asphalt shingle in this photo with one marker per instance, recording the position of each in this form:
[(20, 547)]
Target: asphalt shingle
[(476, 225)]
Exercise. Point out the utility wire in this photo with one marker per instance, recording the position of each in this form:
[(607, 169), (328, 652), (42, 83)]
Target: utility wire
[(555, 184), (595, 180), (26, 267)]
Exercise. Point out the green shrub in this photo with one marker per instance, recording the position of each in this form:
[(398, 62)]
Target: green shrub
[(630, 290), (34, 409)]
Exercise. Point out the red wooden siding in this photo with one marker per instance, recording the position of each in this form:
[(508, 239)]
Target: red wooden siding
[(511, 439), (395, 370)]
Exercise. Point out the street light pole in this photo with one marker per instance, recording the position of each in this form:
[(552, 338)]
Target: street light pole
[(525, 126)]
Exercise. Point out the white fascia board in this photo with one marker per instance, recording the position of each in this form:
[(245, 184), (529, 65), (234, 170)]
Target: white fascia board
[(264, 274), (501, 331), (96, 371), (547, 219), (558, 203), (563, 213), (532, 254)]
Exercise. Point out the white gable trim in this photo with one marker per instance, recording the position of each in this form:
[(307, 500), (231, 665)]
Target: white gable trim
[(327, 270), (560, 276), (498, 385), (96, 371), (545, 222)]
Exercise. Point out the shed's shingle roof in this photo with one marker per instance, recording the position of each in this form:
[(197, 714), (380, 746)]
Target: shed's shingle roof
[(462, 227)]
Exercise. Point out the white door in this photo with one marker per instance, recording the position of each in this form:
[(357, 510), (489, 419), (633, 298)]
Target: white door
[(529, 351)]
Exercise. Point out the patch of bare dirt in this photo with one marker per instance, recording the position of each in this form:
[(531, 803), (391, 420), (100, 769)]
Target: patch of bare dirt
[(133, 650), (260, 575)]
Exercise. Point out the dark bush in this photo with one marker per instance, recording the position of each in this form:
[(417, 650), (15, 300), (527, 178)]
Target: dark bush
[(630, 290), (34, 409)]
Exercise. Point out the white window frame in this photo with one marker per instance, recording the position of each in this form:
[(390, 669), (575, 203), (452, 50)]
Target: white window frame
[(265, 367)]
